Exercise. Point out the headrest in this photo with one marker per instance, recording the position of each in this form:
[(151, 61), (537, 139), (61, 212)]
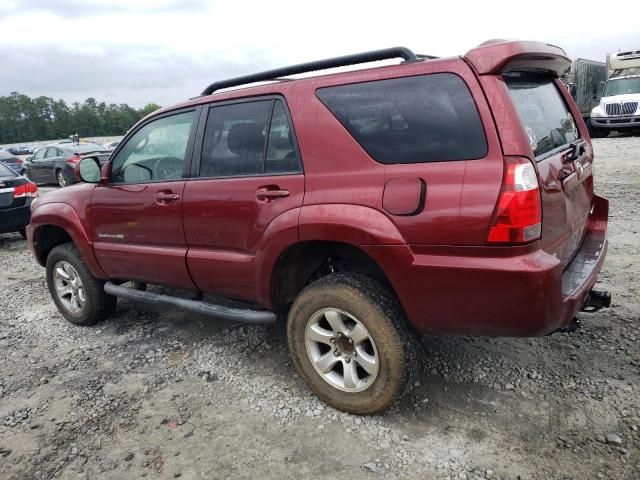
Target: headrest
[(245, 138)]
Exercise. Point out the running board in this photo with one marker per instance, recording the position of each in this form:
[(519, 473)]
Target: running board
[(240, 315)]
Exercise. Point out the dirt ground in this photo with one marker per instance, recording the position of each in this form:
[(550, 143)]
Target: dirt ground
[(163, 394)]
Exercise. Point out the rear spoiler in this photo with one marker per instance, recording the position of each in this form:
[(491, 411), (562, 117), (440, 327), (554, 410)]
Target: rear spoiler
[(498, 56)]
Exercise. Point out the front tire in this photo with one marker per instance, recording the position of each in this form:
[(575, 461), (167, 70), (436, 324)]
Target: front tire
[(79, 296), (595, 132), (351, 343)]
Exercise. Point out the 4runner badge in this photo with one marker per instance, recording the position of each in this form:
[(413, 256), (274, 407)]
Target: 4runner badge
[(111, 235)]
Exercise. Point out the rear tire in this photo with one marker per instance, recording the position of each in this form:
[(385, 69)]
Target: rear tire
[(62, 179), (351, 342), (79, 296)]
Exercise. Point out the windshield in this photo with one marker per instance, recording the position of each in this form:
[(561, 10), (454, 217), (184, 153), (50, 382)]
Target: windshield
[(622, 86)]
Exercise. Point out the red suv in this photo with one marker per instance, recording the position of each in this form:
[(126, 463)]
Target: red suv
[(439, 195)]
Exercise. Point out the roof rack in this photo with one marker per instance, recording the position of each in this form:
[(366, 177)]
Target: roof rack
[(275, 74)]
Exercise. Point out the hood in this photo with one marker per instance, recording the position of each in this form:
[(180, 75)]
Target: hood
[(627, 97), (79, 193)]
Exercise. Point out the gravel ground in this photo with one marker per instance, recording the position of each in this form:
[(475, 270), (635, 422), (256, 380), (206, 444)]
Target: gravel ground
[(162, 394)]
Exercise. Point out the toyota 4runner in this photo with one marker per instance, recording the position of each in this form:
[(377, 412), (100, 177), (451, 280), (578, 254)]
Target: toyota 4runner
[(437, 195)]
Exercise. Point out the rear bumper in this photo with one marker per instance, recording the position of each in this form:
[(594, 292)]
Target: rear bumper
[(14, 219), (495, 291), (616, 123)]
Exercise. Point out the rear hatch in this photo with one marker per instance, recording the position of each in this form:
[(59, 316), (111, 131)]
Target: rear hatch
[(563, 160)]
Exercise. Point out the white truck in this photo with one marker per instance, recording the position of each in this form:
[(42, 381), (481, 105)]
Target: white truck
[(619, 107)]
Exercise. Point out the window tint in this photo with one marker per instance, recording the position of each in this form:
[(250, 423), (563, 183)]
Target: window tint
[(155, 152), (546, 120), (235, 140), (52, 152), (410, 120), (282, 155), (6, 171)]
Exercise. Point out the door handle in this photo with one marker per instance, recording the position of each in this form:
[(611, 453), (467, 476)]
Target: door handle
[(164, 198), (271, 193)]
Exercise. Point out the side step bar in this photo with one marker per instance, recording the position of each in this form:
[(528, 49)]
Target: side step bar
[(240, 315)]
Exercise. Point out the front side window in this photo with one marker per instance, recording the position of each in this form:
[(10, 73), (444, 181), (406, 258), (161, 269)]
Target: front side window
[(546, 119), (427, 118), (154, 153), (39, 155), (252, 138)]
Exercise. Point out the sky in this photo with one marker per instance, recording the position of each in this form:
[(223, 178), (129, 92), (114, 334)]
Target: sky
[(165, 51)]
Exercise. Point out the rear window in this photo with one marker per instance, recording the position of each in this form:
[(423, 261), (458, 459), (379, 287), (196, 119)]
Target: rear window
[(546, 120), (426, 118), (86, 148), (6, 172)]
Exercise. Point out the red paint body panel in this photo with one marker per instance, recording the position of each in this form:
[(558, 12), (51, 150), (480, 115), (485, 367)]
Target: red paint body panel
[(66, 217), (496, 57), (225, 223), (403, 196), (220, 238), (138, 239)]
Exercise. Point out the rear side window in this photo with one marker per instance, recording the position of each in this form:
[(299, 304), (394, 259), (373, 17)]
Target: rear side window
[(546, 120), (251, 138), (426, 118)]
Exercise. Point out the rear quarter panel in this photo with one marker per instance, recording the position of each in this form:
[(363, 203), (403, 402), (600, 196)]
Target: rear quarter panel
[(460, 195)]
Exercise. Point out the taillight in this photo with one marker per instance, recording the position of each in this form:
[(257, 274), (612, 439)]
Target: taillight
[(26, 190), (518, 217), (73, 160)]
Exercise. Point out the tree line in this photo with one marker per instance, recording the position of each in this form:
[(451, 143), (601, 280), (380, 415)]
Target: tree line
[(25, 119)]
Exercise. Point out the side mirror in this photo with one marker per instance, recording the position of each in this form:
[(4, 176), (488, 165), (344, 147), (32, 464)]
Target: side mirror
[(88, 170)]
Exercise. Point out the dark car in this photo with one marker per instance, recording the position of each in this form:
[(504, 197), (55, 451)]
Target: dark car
[(111, 145), (13, 162), (16, 195), (19, 150), (56, 163), (445, 196)]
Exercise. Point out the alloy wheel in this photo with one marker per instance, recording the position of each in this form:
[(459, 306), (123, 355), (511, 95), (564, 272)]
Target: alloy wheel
[(341, 350), (62, 181), (69, 287)]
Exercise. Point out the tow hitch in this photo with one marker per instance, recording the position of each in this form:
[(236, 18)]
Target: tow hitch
[(596, 299)]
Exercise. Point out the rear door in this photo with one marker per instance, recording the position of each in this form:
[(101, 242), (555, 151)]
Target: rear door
[(48, 166), (249, 173), (137, 217), (563, 158)]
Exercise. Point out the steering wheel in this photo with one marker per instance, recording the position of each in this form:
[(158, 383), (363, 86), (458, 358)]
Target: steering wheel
[(167, 168)]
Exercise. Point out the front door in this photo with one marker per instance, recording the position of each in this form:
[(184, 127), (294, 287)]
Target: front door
[(43, 165), (249, 173), (137, 217), (36, 166)]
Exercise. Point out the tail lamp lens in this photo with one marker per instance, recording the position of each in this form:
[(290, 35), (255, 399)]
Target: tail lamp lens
[(518, 217), (26, 190)]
